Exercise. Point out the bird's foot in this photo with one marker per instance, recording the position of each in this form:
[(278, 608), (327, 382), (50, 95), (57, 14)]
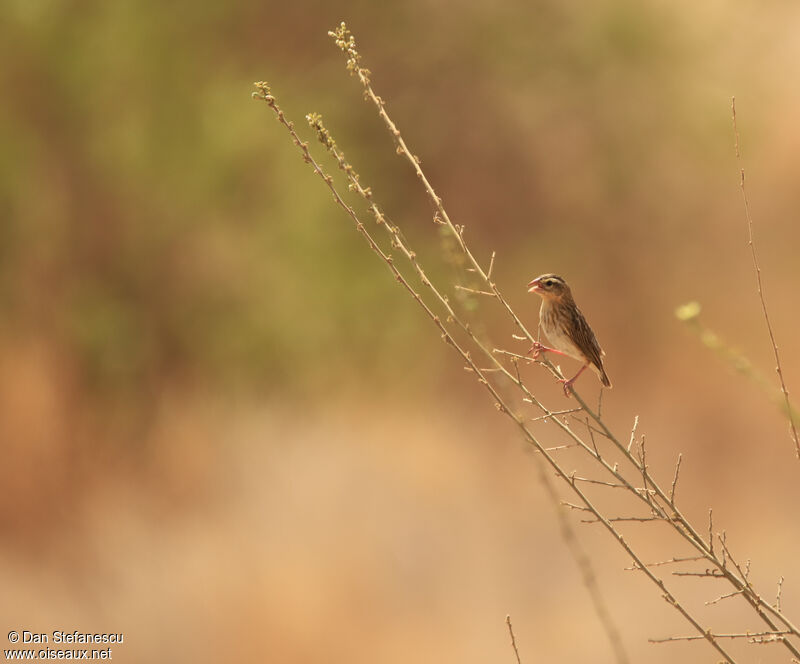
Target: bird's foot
[(537, 349), (568, 383), (567, 386)]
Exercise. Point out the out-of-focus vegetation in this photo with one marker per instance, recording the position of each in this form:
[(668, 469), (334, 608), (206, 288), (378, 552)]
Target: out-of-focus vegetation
[(169, 270), (156, 225)]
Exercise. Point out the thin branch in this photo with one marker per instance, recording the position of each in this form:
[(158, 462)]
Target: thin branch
[(675, 480), (616, 519), (509, 353), (589, 480), (725, 596), (474, 291), (568, 411), (346, 42), (643, 460), (633, 432), (513, 640), (759, 287), (670, 561), (779, 634), (573, 506), (710, 531), (591, 431)]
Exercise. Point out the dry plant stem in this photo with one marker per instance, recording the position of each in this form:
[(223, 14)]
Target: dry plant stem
[(773, 635), (346, 43), (567, 532), (513, 640), (725, 596), (671, 561), (675, 479), (759, 287), (365, 192), (501, 403), (658, 501), (669, 511)]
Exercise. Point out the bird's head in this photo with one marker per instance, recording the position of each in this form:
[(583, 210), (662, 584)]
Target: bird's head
[(549, 286)]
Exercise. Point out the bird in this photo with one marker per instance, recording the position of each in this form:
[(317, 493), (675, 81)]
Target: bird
[(565, 328)]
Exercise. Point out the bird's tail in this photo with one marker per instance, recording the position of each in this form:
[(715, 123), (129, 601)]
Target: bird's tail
[(602, 375)]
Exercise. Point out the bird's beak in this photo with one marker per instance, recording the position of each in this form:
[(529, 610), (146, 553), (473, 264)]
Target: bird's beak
[(533, 287)]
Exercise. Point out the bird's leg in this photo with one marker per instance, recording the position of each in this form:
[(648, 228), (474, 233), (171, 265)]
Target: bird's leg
[(538, 348), (568, 383)]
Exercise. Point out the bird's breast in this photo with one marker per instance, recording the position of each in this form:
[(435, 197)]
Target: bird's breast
[(554, 325)]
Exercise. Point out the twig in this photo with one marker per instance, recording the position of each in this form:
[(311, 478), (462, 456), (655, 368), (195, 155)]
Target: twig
[(617, 519), (500, 351), (346, 42), (557, 448), (590, 429), (554, 413), (759, 287), (675, 480), (709, 573), (633, 432), (737, 635), (725, 596), (474, 291), (513, 640), (573, 506), (670, 561), (589, 480), (643, 459), (710, 531)]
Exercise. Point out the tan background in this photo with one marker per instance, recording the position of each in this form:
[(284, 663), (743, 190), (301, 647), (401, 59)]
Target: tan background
[(228, 434)]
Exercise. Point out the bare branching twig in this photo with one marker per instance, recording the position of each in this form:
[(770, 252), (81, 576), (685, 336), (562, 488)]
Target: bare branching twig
[(617, 463)]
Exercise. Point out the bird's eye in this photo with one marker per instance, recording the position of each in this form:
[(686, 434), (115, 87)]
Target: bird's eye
[(549, 282)]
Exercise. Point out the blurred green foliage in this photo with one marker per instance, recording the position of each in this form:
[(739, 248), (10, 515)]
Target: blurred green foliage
[(158, 224)]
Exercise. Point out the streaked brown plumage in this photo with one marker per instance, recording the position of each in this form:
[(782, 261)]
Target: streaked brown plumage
[(565, 327)]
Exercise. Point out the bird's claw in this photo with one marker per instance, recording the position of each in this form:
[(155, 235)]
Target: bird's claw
[(567, 386), (536, 350)]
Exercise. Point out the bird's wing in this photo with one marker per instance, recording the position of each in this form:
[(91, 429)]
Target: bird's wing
[(583, 337)]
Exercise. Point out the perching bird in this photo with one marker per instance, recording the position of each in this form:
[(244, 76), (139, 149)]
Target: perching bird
[(565, 328)]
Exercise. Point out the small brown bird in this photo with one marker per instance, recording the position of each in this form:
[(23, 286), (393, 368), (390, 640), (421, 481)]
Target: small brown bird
[(566, 328)]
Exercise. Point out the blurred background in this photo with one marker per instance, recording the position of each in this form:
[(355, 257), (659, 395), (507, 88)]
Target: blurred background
[(226, 432)]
